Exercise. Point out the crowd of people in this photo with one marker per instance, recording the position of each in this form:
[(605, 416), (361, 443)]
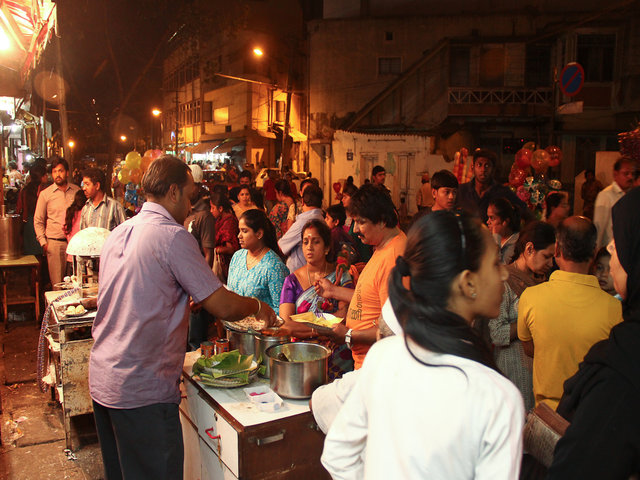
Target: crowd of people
[(488, 312)]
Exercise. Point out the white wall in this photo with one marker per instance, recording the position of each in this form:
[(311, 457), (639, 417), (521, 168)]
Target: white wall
[(396, 153)]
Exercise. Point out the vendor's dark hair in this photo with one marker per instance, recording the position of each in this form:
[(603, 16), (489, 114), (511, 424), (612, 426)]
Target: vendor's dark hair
[(373, 204), (163, 172), (284, 188), (219, 199), (324, 232), (338, 212), (439, 247), (257, 220), (540, 234), (506, 211)]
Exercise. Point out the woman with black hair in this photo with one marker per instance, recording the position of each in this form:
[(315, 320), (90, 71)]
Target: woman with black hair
[(72, 223), (558, 208), (257, 269), (532, 259), (283, 213), (601, 400), (430, 403), (245, 201), (503, 221), (226, 234)]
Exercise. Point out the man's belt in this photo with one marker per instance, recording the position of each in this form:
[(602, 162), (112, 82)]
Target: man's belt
[(58, 239)]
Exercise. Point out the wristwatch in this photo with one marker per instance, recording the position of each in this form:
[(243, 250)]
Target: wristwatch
[(347, 338)]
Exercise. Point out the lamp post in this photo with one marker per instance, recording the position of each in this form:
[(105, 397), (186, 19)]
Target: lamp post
[(71, 143), (157, 113), (258, 52)]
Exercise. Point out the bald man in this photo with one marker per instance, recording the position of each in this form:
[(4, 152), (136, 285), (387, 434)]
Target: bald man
[(560, 320)]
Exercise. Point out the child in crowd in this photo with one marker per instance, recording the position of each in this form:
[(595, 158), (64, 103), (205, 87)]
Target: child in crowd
[(335, 217), (600, 268)]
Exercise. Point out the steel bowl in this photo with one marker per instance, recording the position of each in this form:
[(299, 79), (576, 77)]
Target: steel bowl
[(241, 341), (298, 368), (261, 343)]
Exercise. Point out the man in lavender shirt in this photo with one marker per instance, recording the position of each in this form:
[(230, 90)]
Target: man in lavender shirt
[(149, 267)]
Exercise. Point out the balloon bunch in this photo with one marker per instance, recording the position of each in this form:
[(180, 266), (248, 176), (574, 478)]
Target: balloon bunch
[(630, 144), (463, 166), (533, 189), (131, 174)]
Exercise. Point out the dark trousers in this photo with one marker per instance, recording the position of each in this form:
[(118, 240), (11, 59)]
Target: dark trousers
[(140, 443)]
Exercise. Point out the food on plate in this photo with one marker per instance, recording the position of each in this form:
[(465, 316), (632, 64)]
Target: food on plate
[(327, 321), (71, 310), (80, 310)]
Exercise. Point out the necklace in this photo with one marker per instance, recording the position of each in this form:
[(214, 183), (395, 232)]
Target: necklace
[(324, 273), (256, 258)]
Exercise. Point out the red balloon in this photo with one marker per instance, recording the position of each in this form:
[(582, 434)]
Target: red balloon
[(555, 155), (540, 161), (517, 176), (337, 186), (523, 158)]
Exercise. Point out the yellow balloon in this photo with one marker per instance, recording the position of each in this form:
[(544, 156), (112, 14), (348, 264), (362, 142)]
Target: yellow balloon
[(133, 160), (123, 176)]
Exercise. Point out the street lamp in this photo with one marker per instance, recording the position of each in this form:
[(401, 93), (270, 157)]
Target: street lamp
[(257, 51), (156, 112), (123, 138), (71, 144)]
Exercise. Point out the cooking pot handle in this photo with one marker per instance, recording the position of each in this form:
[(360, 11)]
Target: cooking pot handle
[(271, 439)]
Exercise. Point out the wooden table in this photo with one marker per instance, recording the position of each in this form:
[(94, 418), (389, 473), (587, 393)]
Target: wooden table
[(10, 266)]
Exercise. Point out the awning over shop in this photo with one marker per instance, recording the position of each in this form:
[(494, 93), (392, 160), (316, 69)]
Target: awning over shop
[(28, 26), (229, 144), (203, 147)]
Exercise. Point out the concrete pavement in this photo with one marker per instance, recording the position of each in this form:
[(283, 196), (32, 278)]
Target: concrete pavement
[(32, 431)]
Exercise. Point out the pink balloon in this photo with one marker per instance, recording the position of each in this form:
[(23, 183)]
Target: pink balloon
[(156, 153), (523, 158)]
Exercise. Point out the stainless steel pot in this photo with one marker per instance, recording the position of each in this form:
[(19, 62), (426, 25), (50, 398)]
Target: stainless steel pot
[(304, 369), (261, 343), (241, 341), (10, 236)]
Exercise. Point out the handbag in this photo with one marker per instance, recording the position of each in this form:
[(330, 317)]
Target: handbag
[(218, 267), (542, 431)]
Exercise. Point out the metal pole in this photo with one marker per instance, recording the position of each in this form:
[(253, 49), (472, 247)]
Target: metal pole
[(63, 102), (175, 148)]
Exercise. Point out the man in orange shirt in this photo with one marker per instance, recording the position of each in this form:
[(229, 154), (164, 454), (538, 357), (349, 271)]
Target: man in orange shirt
[(376, 223)]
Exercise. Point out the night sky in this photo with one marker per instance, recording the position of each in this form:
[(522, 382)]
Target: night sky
[(134, 28)]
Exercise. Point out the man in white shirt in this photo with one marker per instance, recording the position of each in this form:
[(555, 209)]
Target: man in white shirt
[(622, 182)]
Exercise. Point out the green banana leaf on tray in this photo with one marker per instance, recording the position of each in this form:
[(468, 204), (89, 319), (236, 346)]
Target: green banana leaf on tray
[(227, 369)]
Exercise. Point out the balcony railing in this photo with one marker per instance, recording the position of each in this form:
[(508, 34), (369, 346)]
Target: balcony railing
[(500, 96)]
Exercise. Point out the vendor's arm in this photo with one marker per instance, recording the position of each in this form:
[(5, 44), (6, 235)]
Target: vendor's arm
[(326, 289), (232, 307)]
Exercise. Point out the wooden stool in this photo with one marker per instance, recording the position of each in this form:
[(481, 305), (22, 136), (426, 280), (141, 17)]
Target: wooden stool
[(7, 267)]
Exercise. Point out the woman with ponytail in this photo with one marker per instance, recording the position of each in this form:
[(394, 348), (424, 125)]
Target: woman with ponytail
[(430, 403)]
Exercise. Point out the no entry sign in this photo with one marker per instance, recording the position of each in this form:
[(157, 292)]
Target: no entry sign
[(571, 79)]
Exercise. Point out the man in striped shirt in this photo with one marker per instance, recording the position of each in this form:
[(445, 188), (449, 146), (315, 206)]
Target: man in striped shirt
[(100, 210)]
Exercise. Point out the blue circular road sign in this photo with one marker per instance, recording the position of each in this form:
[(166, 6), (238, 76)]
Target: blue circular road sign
[(572, 79)]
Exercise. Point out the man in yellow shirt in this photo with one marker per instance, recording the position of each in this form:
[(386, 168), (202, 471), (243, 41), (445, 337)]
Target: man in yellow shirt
[(560, 320)]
